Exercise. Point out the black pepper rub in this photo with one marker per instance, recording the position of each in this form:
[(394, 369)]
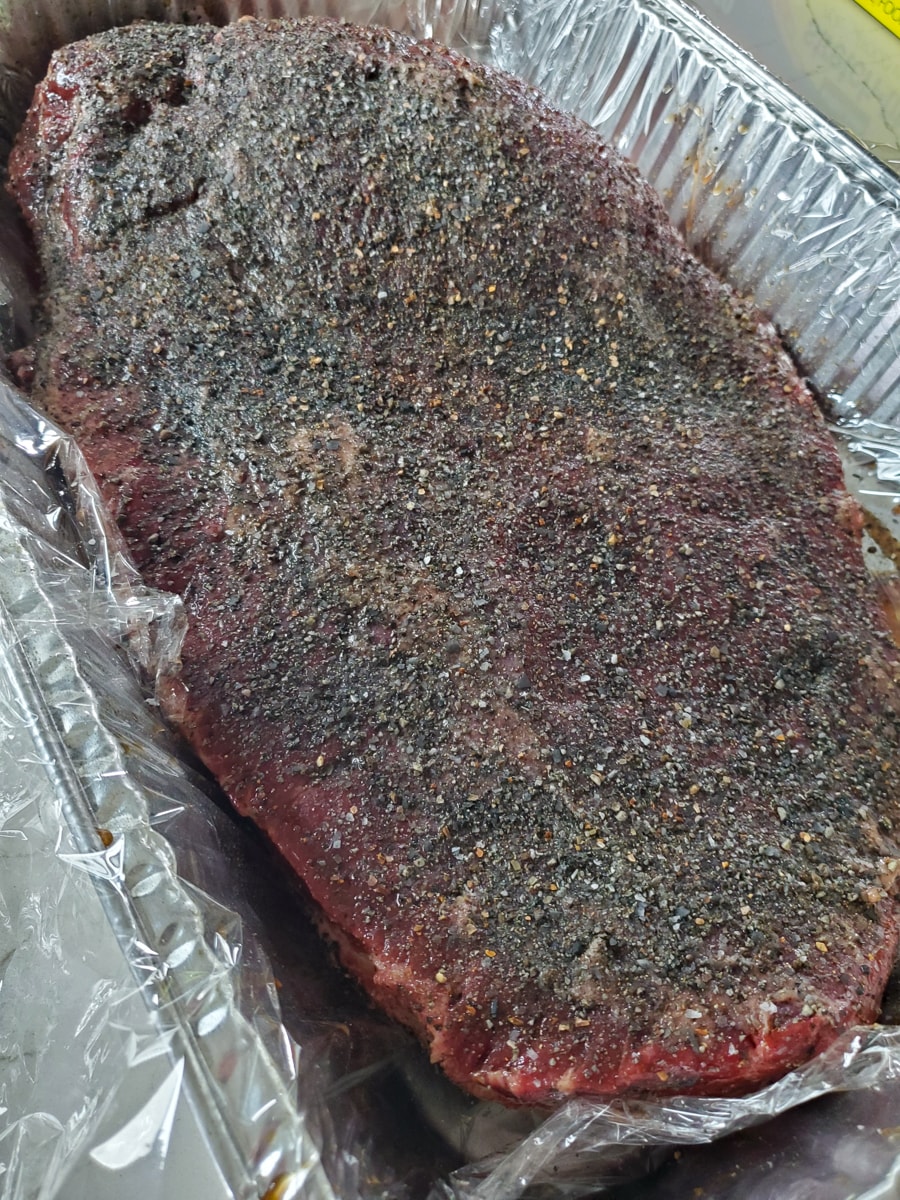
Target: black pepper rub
[(526, 607)]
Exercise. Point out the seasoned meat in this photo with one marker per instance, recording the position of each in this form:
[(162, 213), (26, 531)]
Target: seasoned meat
[(526, 606)]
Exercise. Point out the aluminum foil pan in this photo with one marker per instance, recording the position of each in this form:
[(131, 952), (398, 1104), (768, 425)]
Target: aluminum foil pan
[(117, 900)]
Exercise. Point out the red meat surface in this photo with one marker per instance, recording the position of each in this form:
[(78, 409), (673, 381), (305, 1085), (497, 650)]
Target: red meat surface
[(526, 609)]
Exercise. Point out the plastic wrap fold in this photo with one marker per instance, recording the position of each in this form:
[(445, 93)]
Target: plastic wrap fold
[(142, 1040), (92, 902)]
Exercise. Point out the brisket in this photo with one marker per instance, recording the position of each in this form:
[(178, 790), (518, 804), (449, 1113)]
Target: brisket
[(527, 614)]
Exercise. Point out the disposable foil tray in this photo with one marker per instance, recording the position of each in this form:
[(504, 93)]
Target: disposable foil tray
[(143, 1047)]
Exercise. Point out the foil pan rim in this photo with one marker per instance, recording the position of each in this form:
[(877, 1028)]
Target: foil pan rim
[(853, 153)]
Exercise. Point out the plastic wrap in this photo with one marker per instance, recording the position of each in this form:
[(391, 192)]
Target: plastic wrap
[(143, 1043), (93, 895)]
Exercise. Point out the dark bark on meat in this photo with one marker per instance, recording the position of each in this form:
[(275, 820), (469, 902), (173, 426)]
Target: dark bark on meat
[(527, 614)]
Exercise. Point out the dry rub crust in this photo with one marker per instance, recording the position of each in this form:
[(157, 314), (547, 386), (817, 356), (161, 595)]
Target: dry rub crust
[(525, 613)]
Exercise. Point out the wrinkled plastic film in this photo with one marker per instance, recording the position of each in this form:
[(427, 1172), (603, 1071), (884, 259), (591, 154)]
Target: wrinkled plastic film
[(75, 784), (591, 1144), (880, 444), (786, 208)]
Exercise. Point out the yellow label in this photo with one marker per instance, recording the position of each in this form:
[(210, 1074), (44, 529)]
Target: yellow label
[(885, 11)]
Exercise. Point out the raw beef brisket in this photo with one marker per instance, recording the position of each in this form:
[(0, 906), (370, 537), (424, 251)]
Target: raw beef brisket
[(526, 607)]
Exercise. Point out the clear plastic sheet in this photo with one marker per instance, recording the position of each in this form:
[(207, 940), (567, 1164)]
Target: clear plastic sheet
[(90, 893), (587, 1146), (148, 1047)]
